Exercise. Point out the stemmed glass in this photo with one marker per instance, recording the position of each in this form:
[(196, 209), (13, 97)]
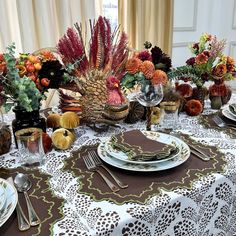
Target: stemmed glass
[(150, 96)]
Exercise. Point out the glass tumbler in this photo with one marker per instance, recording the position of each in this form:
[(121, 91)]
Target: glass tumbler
[(169, 115), (30, 147)]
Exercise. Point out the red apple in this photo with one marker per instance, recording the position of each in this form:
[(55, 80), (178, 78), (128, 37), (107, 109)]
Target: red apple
[(47, 142)]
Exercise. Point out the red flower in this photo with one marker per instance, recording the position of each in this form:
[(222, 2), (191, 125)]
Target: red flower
[(145, 56), (190, 61)]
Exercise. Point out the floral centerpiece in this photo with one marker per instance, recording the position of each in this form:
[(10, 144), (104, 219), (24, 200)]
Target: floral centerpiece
[(24, 80), (146, 67), (208, 62), (23, 83)]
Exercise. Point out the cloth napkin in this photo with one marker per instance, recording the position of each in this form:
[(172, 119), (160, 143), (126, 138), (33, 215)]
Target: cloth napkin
[(140, 148)]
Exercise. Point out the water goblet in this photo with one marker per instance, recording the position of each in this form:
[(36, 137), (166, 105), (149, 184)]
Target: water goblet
[(150, 96)]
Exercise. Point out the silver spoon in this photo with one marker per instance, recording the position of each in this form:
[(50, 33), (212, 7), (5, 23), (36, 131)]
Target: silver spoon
[(23, 184)]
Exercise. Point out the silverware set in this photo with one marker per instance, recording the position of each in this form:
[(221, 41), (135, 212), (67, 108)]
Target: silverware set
[(93, 163), (23, 184), (220, 123), (193, 149)]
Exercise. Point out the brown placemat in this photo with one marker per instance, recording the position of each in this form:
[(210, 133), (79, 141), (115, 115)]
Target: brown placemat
[(46, 204), (207, 122), (142, 185)]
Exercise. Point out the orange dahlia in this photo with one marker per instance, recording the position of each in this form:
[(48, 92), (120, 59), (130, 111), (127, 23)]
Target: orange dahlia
[(159, 77), (219, 70), (148, 69), (132, 65)]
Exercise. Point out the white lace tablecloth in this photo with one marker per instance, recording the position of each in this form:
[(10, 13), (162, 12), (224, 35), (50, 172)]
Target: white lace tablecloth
[(207, 209)]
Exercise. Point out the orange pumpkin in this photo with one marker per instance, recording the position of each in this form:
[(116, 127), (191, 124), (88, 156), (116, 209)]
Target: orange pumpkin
[(193, 107)]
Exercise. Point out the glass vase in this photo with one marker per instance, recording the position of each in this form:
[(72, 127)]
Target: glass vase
[(24, 119)]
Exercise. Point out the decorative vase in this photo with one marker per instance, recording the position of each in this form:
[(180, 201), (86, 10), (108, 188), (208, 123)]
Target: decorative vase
[(24, 119), (219, 94), (200, 93)]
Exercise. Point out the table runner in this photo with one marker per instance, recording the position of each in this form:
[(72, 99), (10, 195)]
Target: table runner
[(143, 185), (46, 204)]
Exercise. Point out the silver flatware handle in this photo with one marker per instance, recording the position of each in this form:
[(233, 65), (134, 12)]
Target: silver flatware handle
[(200, 151), (33, 217), (118, 181), (197, 154), (23, 223), (108, 182)]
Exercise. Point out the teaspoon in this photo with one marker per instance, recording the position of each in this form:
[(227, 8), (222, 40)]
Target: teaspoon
[(23, 184)]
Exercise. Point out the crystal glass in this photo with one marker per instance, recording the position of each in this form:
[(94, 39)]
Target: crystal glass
[(169, 115), (149, 96), (30, 147)]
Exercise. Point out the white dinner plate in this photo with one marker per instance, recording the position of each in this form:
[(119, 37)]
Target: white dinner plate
[(3, 196), (161, 137), (10, 203), (178, 160), (228, 114)]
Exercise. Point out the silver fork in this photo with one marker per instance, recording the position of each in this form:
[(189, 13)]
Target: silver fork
[(91, 166), (98, 162), (220, 123)]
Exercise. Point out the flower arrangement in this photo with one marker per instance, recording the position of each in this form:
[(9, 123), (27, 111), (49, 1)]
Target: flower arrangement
[(24, 80), (208, 62), (146, 67)]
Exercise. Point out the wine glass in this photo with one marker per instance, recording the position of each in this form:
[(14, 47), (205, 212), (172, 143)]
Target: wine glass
[(149, 96)]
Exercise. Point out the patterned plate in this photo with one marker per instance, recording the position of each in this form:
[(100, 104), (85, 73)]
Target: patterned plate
[(164, 138), (10, 204), (3, 195), (178, 160), (226, 112)]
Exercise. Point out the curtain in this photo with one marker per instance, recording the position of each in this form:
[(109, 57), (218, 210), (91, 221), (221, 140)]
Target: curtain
[(147, 20), (35, 24)]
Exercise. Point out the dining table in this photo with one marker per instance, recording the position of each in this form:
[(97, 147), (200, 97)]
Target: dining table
[(193, 197)]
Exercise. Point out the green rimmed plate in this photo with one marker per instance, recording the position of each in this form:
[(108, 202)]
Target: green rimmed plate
[(10, 203), (147, 167)]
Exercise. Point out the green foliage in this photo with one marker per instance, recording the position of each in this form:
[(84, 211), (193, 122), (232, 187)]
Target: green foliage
[(21, 91), (187, 72), (130, 80)]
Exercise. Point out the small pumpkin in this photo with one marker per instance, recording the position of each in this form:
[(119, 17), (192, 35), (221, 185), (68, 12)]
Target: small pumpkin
[(53, 120), (62, 138), (69, 120), (193, 107)]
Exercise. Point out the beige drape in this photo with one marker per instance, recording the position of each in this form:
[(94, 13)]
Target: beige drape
[(147, 20), (35, 24)]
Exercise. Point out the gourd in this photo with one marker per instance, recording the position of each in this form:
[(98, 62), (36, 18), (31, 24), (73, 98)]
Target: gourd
[(69, 120), (62, 138), (53, 121), (5, 139)]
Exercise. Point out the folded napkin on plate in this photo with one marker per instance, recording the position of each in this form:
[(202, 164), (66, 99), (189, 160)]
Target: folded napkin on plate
[(140, 148)]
